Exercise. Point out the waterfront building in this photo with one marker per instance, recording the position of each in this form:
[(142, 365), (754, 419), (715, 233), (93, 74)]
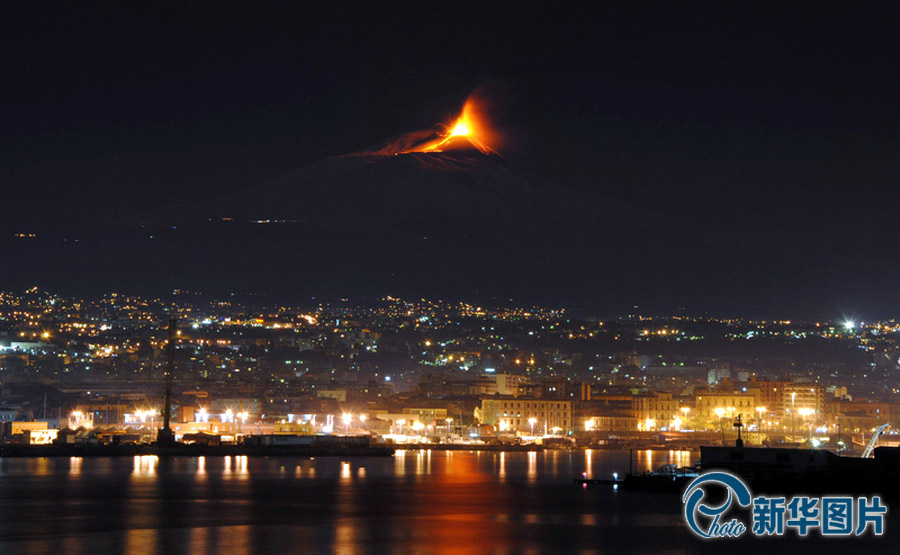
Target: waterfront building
[(525, 414)]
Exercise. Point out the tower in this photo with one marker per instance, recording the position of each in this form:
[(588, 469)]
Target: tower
[(165, 435)]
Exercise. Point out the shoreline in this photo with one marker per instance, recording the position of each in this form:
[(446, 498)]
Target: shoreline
[(37, 451)]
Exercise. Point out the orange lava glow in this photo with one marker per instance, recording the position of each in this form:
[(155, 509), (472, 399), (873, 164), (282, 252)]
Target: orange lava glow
[(473, 129), (469, 130), (461, 128)]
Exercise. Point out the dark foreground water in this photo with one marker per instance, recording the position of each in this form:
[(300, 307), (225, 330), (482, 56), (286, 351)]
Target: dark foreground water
[(418, 501)]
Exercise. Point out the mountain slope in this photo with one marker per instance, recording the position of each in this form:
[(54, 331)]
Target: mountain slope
[(408, 189)]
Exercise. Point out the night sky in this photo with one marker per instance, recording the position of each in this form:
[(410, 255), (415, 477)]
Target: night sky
[(773, 128)]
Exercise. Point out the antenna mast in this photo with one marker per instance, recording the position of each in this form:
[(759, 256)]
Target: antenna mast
[(165, 435)]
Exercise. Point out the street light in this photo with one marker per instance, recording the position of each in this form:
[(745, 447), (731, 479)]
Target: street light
[(793, 418), (759, 422), (804, 412), (347, 417), (449, 420), (720, 412), (152, 413), (532, 421)]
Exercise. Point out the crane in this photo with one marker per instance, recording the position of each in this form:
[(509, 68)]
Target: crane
[(867, 452)]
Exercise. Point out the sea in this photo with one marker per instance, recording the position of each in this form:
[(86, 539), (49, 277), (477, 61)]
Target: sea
[(418, 501)]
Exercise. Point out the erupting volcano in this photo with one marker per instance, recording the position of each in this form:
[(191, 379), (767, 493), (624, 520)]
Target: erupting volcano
[(437, 207), (471, 130), (437, 182), (468, 131)]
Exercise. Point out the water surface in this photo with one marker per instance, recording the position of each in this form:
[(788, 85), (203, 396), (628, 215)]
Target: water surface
[(416, 501)]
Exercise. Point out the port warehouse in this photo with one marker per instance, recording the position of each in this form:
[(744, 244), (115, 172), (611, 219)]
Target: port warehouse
[(37, 433)]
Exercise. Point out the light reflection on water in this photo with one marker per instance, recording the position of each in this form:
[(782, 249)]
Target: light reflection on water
[(75, 465), (532, 467), (145, 465), (449, 502)]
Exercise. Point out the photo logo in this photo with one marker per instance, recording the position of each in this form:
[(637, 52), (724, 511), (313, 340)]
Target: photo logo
[(692, 506), (771, 516)]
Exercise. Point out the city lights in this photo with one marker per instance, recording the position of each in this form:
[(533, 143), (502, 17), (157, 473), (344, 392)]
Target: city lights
[(518, 399)]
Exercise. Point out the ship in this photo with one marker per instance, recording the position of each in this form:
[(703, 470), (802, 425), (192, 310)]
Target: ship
[(786, 470)]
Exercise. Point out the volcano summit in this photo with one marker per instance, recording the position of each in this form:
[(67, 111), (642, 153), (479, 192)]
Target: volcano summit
[(437, 213)]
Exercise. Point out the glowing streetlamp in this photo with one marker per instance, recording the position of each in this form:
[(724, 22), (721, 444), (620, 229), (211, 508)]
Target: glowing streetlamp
[(152, 414), (793, 418), (804, 412), (243, 416), (229, 417), (201, 414), (720, 412), (759, 422), (532, 421), (347, 417)]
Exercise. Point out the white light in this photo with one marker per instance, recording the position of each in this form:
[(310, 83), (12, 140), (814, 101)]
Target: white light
[(849, 324)]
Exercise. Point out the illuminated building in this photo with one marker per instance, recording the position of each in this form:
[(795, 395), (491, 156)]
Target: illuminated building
[(509, 413), (711, 407), (658, 410), (803, 396), (510, 384)]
